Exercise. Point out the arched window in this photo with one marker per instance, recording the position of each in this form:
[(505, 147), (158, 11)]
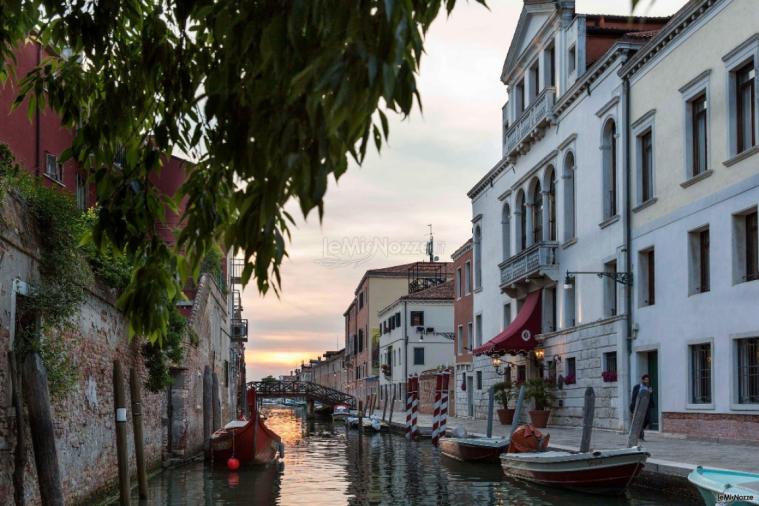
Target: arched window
[(522, 232), (506, 231), (609, 150), (537, 214), (569, 197), (477, 257), (551, 204)]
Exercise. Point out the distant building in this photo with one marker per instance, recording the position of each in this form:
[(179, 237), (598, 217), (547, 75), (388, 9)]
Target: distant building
[(416, 335), (463, 326), (329, 370)]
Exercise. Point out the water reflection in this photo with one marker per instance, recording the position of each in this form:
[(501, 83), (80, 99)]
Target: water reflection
[(325, 466)]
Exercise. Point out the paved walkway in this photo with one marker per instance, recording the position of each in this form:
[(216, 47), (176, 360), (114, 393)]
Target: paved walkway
[(670, 453)]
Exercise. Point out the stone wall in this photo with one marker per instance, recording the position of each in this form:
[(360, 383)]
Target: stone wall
[(84, 417), (427, 384), (715, 426)]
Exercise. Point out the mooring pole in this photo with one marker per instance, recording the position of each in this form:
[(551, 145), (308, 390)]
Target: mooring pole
[(139, 442), (119, 403), (491, 400), (639, 417), (589, 409), (207, 408), (517, 411), (392, 407), (384, 407), (360, 416)]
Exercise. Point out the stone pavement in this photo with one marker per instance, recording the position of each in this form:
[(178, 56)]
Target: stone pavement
[(670, 453)]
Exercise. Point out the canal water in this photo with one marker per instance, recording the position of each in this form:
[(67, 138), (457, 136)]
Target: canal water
[(324, 465)]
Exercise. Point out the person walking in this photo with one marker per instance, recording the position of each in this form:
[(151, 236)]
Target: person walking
[(645, 384)]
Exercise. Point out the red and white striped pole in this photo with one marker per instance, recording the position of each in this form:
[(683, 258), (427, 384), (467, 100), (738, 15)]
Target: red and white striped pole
[(414, 407), (409, 400), (443, 404), (436, 410)]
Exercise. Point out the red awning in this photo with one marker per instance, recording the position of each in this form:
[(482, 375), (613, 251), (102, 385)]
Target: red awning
[(520, 334)]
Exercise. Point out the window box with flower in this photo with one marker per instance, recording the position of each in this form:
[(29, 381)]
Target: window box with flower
[(609, 376)]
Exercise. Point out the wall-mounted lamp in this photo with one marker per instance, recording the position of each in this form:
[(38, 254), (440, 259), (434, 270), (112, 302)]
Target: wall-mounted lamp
[(539, 353), (623, 278), (557, 359), (496, 362)]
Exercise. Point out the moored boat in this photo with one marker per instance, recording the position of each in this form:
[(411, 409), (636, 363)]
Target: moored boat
[(341, 412), (721, 486), (599, 471), (248, 440), (473, 449)]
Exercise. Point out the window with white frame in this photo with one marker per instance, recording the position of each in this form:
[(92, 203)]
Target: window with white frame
[(53, 169), (748, 370), (469, 336), (645, 166), (506, 231), (549, 309), (459, 286), (741, 64), (551, 204), (697, 124), (699, 278), (550, 66), (610, 289), (537, 213), (477, 257), (519, 98), (418, 356), (506, 315), (569, 305), (468, 277), (700, 373), (478, 330), (522, 224), (570, 219), (460, 340), (745, 246), (534, 81), (609, 150), (647, 281)]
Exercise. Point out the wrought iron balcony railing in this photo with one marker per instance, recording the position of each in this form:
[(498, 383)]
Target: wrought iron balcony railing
[(531, 261), (529, 127), (235, 277), (239, 330)]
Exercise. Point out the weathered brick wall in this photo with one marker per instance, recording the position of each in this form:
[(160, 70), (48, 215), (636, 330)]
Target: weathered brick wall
[(717, 426), (427, 384), (84, 417)]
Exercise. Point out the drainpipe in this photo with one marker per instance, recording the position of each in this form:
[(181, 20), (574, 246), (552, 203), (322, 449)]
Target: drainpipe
[(405, 346), (628, 248), (37, 130)]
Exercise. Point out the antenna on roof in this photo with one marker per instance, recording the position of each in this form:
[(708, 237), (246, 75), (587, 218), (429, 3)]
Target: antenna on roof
[(431, 245)]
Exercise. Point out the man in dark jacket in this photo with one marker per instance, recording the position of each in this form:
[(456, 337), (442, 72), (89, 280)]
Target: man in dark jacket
[(645, 384)]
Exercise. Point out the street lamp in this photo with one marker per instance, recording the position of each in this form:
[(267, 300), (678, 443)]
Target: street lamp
[(623, 278), (496, 362)]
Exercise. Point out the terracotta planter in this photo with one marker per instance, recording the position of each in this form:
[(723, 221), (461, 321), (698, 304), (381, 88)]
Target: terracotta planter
[(539, 418), (505, 416)]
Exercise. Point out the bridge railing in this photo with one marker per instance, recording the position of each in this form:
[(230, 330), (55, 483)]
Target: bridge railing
[(306, 389)]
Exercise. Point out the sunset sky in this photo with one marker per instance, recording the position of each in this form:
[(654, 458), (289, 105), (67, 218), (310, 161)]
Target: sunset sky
[(377, 214)]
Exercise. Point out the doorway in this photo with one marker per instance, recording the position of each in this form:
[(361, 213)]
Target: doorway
[(648, 363), (470, 396)]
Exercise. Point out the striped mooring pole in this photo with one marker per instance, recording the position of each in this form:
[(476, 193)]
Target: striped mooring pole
[(443, 404), (409, 401), (414, 407), (436, 410)]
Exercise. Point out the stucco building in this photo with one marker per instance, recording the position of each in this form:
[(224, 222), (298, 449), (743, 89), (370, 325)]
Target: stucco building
[(463, 327)]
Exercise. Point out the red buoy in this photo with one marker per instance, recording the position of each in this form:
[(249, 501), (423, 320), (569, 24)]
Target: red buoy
[(233, 464)]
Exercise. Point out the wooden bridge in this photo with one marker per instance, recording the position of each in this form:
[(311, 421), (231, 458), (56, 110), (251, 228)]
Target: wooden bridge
[(303, 389)]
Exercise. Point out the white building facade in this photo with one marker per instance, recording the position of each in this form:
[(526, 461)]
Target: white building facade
[(694, 163), (552, 210), (416, 334)]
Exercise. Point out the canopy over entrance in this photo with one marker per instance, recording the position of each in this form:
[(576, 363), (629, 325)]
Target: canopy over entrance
[(519, 336)]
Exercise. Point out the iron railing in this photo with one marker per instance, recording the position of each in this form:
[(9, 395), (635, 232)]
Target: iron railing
[(528, 262), (240, 330), (305, 389), (536, 115)]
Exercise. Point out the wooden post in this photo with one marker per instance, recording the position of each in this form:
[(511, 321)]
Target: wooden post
[(384, 408), (119, 403), (517, 411), (360, 416), (392, 407), (139, 442), (19, 457), (639, 417), (216, 402), (491, 400), (207, 408), (589, 409)]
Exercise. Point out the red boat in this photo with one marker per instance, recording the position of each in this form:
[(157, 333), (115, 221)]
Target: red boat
[(482, 449), (599, 471), (250, 440)]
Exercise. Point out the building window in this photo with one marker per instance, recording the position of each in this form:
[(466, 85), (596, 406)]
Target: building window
[(551, 177), (417, 318), (610, 289), (609, 149), (698, 246), (646, 167), (397, 319), (701, 374), (745, 78), (748, 370), (478, 330), (647, 285), (569, 197), (506, 231), (572, 59), (81, 192), (506, 315), (460, 340), (468, 277), (521, 374), (550, 66), (477, 257), (569, 306), (549, 309), (418, 356), (534, 81), (459, 286), (698, 125), (469, 336), (537, 214), (522, 232), (361, 300), (479, 380), (745, 247), (610, 362), (360, 340), (571, 368), (519, 98), (53, 169), (226, 374)]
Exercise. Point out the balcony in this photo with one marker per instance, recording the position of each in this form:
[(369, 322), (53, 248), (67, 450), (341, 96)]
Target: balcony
[(236, 303), (239, 330), (235, 277), (534, 267), (530, 125)]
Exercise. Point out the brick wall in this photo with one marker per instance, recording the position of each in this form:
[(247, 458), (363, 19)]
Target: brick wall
[(718, 426)]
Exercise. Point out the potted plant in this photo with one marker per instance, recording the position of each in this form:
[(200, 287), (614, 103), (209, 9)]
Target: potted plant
[(609, 376), (540, 391), (503, 392)]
